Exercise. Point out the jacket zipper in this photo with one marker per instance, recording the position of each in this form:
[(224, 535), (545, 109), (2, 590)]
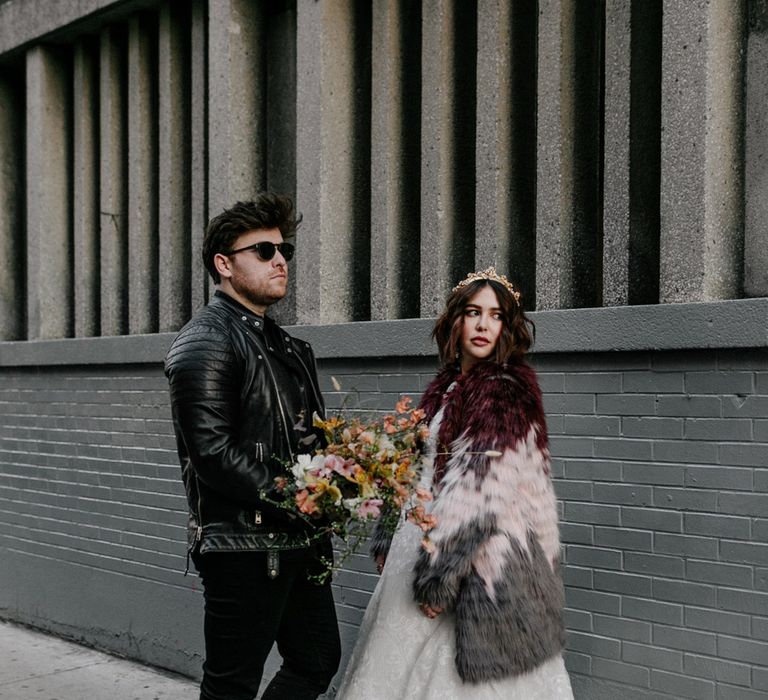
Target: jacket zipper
[(279, 402), (199, 530), (199, 534)]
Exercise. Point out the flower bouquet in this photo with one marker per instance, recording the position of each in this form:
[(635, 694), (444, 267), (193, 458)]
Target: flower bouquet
[(367, 472)]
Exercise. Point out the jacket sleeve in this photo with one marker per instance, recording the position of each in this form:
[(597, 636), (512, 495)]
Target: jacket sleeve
[(205, 374), (383, 532), (478, 491), (463, 526)]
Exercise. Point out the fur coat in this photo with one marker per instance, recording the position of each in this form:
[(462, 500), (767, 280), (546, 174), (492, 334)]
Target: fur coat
[(493, 557)]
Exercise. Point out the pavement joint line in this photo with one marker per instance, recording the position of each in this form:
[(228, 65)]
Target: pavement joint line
[(57, 672)]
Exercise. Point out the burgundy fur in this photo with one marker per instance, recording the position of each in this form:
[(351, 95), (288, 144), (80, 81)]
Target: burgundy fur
[(495, 404)]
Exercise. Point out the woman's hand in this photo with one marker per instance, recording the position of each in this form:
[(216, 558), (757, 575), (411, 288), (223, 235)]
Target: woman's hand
[(429, 611), (380, 560)]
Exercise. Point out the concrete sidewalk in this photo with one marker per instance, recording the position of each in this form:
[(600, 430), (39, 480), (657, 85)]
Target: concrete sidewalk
[(38, 666)]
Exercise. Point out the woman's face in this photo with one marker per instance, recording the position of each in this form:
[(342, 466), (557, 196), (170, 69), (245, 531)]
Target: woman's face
[(481, 328)]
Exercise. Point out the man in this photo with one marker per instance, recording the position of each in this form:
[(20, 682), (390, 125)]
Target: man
[(243, 393)]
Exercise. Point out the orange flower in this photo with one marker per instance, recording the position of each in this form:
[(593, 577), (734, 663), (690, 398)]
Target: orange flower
[(423, 494), (428, 522), (402, 405), (306, 502), (416, 515)]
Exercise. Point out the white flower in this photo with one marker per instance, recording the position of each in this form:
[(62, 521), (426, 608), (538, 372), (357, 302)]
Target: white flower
[(300, 468), (352, 504), (386, 444)]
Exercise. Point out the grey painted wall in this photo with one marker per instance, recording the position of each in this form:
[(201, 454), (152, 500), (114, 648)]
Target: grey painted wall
[(660, 464)]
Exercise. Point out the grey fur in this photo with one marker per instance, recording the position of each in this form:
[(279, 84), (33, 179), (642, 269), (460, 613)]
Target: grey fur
[(517, 631), (438, 579)]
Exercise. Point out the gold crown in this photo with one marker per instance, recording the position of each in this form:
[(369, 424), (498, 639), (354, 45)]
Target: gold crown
[(489, 274)]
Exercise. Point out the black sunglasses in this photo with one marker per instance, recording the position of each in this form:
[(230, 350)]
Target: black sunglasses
[(266, 250)]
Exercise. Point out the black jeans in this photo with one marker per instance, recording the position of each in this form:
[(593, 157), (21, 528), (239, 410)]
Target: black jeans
[(246, 612)]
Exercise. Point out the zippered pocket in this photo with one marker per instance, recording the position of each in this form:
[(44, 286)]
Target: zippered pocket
[(199, 533)]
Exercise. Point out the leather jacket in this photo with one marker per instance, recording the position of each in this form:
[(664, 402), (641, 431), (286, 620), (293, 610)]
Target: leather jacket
[(235, 425)]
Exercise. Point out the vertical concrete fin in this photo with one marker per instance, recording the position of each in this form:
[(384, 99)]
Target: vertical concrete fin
[(345, 162), (448, 108), (724, 174), (631, 152), (12, 249), (309, 86), (569, 183), (281, 123), (756, 155), (142, 175), (198, 106), (395, 172), (618, 156), (554, 164), (86, 192), (333, 76), (113, 183), (506, 142), (236, 102), (701, 146), (174, 148), (49, 217)]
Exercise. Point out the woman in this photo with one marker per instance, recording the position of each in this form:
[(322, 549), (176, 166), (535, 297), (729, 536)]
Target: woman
[(474, 609)]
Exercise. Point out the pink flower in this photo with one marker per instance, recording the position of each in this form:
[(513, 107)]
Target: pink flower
[(336, 464), (370, 508), (367, 437)]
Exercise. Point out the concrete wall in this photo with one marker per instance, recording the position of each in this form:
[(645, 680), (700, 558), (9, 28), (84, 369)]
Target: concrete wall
[(601, 153)]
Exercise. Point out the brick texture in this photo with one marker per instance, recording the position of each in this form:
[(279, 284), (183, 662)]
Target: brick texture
[(682, 450), (660, 464)]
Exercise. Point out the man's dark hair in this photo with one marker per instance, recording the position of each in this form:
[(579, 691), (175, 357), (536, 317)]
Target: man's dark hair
[(267, 210)]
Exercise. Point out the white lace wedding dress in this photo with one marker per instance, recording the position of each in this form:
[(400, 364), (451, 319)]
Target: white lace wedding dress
[(403, 655)]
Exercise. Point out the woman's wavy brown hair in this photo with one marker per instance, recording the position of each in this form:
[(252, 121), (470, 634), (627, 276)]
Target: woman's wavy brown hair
[(517, 333)]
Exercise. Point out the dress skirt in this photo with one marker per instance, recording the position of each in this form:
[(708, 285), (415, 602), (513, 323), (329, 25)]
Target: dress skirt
[(403, 655)]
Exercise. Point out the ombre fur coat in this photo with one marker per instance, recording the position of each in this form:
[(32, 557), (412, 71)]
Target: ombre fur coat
[(494, 554)]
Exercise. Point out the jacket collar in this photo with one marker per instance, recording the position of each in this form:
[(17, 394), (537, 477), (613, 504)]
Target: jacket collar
[(248, 317)]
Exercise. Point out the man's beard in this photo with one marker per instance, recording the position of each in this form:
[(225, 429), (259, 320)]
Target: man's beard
[(257, 297)]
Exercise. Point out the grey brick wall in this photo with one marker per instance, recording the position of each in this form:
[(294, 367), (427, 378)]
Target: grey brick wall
[(92, 511), (664, 499), (660, 465)]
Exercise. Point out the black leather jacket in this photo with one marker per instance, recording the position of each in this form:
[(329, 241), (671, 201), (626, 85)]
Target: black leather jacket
[(234, 423)]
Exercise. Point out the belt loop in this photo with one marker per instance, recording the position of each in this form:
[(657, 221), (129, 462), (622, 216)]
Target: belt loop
[(273, 563)]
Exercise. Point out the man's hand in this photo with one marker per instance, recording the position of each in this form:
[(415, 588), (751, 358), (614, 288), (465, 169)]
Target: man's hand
[(429, 611), (380, 560)]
